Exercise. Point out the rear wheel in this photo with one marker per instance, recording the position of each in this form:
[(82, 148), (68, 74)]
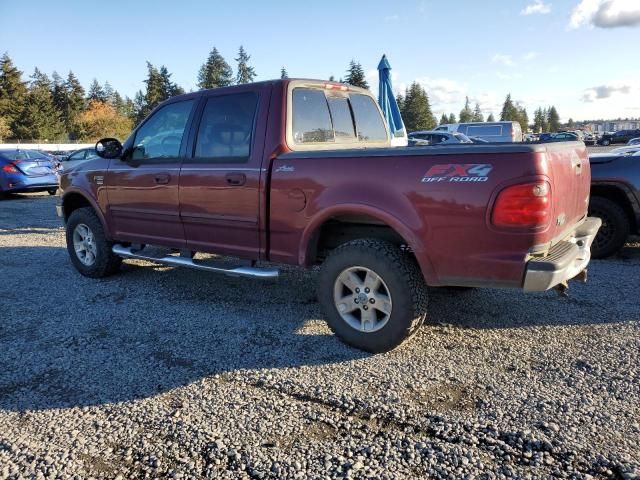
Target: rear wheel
[(87, 245), (614, 230), (373, 294), (52, 191), (606, 143)]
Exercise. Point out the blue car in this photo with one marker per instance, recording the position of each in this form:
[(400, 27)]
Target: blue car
[(27, 171)]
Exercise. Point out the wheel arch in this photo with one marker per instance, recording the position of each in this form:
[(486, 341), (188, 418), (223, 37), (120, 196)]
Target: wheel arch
[(342, 223), (623, 196), (75, 199)]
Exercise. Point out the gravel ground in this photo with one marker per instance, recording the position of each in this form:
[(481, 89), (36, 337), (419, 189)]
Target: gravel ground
[(172, 373)]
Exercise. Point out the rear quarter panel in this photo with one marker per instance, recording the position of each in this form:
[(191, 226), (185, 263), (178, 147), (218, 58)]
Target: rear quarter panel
[(446, 223)]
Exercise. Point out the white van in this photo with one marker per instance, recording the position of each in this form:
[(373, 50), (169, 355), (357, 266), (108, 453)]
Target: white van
[(489, 131)]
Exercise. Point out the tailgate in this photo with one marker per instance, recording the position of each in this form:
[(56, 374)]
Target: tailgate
[(571, 182)]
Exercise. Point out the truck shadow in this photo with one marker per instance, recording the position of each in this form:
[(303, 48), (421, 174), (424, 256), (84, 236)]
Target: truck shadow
[(68, 341)]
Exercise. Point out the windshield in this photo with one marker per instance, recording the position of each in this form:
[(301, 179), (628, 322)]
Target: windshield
[(462, 138)]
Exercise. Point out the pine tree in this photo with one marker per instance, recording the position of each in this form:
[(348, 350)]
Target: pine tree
[(169, 88), (332, 78), (553, 119), (108, 92), (13, 93), (523, 118), (74, 104), (40, 120), (355, 75), (58, 91), (416, 111), (96, 92), (215, 72), (283, 73), (444, 119), (509, 110), (477, 114), (452, 118), (400, 102), (466, 115), (245, 73), (491, 118)]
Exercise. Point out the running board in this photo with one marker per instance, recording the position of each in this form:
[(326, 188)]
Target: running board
[(263, 273)]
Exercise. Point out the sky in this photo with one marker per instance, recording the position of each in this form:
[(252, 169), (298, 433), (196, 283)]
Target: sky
[(579, 55)]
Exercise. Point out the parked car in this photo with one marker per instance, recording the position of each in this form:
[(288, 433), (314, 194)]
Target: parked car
[(560, 137), (26, 171), (626, 150), (634, 141), (430, 137), (77, 157), (589, 138), (302, 172), (615, 198), (489, 131), (621, 136)]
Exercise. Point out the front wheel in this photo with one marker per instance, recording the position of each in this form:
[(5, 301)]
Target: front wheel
[(373, 294), (605, 143), (614, 230), (87, 245), (52, 191)]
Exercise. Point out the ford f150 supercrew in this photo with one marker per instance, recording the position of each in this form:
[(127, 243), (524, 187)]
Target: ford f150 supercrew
[(301, 172)]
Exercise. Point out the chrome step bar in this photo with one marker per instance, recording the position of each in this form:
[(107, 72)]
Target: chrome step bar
[(263, 273)]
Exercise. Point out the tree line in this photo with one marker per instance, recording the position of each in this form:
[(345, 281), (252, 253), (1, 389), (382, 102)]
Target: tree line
[(417, 114), (59, 109)]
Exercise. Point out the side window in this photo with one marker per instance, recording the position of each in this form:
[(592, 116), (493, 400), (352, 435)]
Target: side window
[(161, 135), (226, 129), (311, 118), (77, 156), (369, 122)]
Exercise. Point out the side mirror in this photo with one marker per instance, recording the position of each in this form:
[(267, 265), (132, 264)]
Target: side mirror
[(109, 148)]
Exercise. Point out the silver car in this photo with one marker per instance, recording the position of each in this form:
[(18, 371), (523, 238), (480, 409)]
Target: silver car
[(432, 137)]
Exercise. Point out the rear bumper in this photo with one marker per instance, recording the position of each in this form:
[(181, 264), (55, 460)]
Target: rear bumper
[(564, 261), (21, 183)]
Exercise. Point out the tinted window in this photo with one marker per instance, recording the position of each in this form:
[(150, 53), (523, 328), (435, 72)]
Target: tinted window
[(368, 120), (226, 128), (484, 130), (311, 119), (161, 135), (341, 117), (77, 155)]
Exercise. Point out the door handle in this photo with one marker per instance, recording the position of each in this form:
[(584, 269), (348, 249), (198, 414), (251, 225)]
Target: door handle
[(236, 179), (162, 179)]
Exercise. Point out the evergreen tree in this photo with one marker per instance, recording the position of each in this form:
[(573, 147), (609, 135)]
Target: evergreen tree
[(523, 118), (215, 72), (58, 91), (283, 73), (245, 73), (169, 89), (466, 115), (553, 119), (416, 111), (13, 93), (400, 102), (444, 119), (477, 114), (570, 123), (96, 92), (355, 75), (109, 92), (452, 118), (40, 120), (74, 104), (491, 118), (332, 78), (509, 111)]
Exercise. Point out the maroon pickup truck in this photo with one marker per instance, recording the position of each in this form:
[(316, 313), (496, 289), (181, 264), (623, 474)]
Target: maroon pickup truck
[(302, 172)]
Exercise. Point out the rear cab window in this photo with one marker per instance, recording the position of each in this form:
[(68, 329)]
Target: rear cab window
[(329, 116)]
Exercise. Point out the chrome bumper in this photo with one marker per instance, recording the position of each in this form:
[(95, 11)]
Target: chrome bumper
[(564, 261)]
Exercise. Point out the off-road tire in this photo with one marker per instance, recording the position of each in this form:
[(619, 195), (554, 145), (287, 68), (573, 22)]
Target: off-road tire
[(402, 276), (614, 230), (106, 262)]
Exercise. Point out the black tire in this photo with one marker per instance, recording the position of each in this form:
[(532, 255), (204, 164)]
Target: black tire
[(401, 276), (605, 143), (106, 262), (52, 191), (614, 230)]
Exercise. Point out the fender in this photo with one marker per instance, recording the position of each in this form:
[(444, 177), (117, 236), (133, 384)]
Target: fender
[(76, 191), (416, 244)]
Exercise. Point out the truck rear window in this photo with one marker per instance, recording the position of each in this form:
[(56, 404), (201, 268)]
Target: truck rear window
[(484, 130), (330, 117)]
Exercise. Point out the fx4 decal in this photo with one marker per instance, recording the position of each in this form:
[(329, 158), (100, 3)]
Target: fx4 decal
[(458, 172)]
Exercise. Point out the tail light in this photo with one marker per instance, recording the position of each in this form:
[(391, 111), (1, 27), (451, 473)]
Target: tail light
[(523, 205), (11, 167)]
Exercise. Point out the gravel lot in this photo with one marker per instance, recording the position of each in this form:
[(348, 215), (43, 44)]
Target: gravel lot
[(160, 372)]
